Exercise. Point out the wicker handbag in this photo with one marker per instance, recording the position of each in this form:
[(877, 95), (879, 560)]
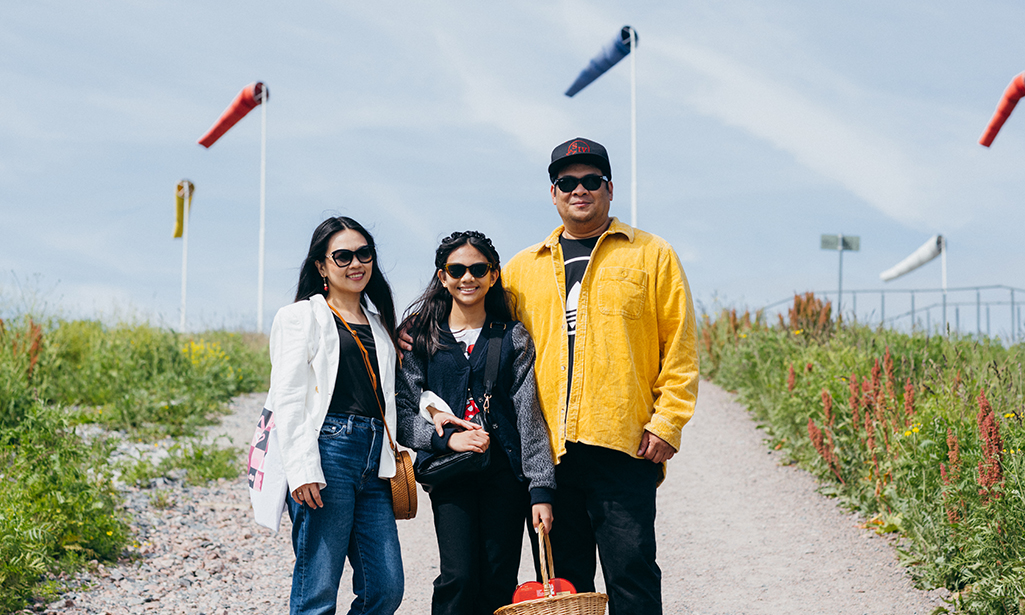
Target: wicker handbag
[(588, 603)]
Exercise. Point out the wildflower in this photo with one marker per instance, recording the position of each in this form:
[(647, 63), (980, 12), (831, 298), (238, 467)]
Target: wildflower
[(826, 451), (854, 401), (909, 400), (914, 429), (907, 433), (743, 335), (990, 472), (808, 368), (798, 331), (1009, 415), (827, 407), (890, 379), (791, 377)]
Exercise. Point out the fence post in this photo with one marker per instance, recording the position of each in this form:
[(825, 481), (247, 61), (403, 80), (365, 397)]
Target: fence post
[(912, 311), (987, 320), (1013, 336), (978, 312), (882, 307), (957, 318)]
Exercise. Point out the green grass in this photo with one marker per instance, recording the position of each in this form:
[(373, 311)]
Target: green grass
[(880, 450), (58, 506)]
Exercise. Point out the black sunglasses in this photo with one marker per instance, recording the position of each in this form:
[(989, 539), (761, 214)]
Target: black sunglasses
[(342, 258), (477, 270), (569, 183)]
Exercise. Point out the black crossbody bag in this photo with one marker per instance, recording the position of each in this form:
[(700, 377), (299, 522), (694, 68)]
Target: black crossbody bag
[(441, 469)]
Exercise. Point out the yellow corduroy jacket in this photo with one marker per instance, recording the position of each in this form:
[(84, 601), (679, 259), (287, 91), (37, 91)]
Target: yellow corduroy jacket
[(635, 360)]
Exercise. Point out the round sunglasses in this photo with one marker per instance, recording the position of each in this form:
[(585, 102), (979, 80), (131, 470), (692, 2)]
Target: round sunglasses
[(477, 270), (569, 183), (342, 258)]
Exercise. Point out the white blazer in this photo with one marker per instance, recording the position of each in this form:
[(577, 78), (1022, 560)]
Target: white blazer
[(304, 366)]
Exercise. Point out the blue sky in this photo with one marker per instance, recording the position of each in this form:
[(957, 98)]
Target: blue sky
[(760, 127)]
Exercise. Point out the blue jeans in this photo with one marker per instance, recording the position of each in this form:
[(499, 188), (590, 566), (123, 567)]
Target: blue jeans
[(356, 520)]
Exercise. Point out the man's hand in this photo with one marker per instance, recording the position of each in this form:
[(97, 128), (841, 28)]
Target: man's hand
[(447, 418), (405, 340), (655, 449), (476, 441), (542, 513), (308, 494)]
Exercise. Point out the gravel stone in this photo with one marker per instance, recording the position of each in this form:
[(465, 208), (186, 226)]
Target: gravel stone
[(737, 533)]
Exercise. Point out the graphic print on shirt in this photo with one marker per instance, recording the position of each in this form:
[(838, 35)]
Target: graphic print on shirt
[(467, 339), (573, 296)]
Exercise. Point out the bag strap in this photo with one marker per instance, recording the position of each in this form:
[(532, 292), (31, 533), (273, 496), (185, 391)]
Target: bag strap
[(496, 333), (370, 372)]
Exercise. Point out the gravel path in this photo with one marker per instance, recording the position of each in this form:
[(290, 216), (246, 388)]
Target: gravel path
[(738, 533)]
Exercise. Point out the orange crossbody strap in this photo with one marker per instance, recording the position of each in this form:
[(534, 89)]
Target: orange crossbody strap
[(370, 372)]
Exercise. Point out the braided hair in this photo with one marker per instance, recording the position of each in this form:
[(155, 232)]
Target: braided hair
[(425, 317)]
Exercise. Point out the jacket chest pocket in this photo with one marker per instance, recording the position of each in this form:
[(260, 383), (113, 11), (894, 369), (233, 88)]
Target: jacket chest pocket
[(621, 291)]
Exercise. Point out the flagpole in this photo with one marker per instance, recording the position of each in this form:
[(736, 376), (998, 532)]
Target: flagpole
[(186, 194), (263, 206), (633, 127)]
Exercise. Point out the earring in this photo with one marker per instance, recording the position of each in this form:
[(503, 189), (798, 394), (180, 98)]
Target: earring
[(325, 283)]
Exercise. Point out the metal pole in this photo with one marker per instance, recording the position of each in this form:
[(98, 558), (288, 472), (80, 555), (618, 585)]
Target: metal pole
[(943, 257), (1013, 337), (839, 291), (912, 311), (882, 307), (186, 195), (633, 127), (978, 312), (987, 320), (957, 318), (263, 206)]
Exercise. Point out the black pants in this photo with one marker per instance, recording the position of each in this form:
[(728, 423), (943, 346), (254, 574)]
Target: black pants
[(606, 498), (479, 524)]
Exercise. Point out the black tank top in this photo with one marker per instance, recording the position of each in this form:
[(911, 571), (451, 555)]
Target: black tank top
[(353, 393)]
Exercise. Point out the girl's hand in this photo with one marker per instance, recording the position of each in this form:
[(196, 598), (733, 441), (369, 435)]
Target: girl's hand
[(542, 513), (308, 494), (447, 418), (476, 440)]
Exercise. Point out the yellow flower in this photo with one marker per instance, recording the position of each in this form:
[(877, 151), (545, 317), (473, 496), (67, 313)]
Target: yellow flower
[(109, 533), (798, 331), (1009, 415), (907, 433), (914, 429), (743, 335)]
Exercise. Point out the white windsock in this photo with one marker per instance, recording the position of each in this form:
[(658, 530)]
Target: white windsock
[(929, 250)]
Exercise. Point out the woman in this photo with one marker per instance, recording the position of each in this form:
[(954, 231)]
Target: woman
[(478, 518), (332, 378)]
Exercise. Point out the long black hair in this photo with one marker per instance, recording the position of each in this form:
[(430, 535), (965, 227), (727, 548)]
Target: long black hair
[(424, 319), (377, 290)]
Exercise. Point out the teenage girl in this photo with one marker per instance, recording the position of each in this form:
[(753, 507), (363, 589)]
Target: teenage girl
[(332, 378), (478, 519)]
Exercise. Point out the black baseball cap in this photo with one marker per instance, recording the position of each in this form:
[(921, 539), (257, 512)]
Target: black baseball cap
[(582, 151)]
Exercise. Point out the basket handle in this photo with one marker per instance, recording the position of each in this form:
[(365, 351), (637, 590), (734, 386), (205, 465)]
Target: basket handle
[(544, 548)]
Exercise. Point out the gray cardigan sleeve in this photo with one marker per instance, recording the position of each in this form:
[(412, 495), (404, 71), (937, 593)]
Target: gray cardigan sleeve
[(535, 446), (413, 431)]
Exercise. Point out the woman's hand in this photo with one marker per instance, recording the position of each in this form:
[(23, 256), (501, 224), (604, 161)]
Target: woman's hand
[(308, 494), (542, 513), (447, 418), (476, 440)]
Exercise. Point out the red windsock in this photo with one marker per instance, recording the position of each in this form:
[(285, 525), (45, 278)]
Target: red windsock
[(1013, 92), (250, 96)]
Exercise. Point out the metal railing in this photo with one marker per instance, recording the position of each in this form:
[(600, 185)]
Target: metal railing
[(997, 304)]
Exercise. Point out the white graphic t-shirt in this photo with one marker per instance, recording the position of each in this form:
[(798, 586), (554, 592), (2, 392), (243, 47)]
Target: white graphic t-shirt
[(466, 339)]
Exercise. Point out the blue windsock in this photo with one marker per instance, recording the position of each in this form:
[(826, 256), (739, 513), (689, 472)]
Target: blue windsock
[(610, 54)]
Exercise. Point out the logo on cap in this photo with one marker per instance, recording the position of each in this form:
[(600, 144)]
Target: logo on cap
[(578, 147)]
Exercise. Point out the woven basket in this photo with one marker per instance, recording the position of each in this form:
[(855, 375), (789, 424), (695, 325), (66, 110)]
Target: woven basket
[(403, 487), (589, 603)]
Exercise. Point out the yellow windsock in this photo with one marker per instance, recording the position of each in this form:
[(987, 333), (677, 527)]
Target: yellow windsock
[(184, 186)]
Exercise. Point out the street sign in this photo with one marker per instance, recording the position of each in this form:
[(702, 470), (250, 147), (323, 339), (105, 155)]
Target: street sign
[(833, 242)]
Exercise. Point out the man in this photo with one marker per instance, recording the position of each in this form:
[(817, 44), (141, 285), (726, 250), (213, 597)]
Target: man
[(611, 315)]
